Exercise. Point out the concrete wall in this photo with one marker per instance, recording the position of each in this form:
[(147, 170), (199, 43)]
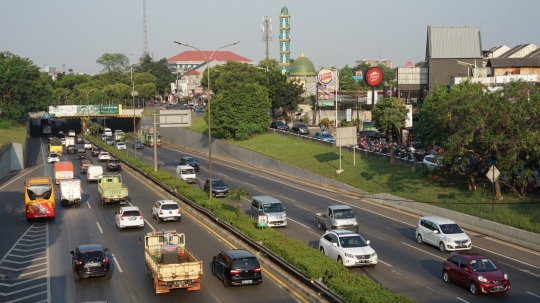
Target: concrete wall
[(11, 158)]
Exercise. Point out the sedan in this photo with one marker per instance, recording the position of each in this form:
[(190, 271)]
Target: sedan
[(219, 188), (87, 145), (104, 156), (279, 125), (348, 248), (109, 141), (120, 146), (79, 140), (129, 216), (90, 261), (324, 136), (53, 158), (138, 144), (300, 128), (475, 271), (96, 151), (190, 161)]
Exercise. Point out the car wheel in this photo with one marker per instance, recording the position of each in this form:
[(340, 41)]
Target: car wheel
[(213, 268), (441, 247), (319, 225), (321, 249), (372, 265), (419, 239), (340, 261), (445, 276), (225, 281), (473, 289), (76, 278)]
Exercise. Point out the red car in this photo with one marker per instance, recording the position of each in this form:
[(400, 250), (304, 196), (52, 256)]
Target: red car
[(475, 271)]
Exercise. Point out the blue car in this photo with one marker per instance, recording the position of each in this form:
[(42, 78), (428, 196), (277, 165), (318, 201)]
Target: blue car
[(324, 136)]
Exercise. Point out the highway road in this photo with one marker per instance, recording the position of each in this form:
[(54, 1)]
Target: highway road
[(405, 266), (35, 260)]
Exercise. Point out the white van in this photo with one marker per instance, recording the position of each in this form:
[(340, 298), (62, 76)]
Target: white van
[(94, 173), (107, 132), (271, 207), (186, 173)]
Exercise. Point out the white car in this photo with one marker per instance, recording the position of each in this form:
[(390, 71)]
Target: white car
[(104, 156), (87, 145), (120, 145), (443, 233), (53, 158), (71, 133), (432, 161), (348, 248), (166, 210), (129, 216)]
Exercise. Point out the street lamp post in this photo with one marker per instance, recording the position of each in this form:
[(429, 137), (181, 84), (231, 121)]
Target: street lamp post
[(209, 113), (133, 102)]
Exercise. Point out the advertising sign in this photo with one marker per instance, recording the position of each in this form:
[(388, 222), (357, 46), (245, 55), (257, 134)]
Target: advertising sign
[(367, 116), (325, 76), (88, 110), (374, 76)]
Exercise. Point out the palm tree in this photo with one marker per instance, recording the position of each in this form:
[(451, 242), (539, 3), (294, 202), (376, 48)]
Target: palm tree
[(237, 195)]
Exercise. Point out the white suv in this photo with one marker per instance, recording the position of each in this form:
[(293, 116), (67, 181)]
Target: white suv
[(129, 216), (348, 248), (443, 233), (166, 210)]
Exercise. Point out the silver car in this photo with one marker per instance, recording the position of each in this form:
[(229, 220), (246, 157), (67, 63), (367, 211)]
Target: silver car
[(443, 233)]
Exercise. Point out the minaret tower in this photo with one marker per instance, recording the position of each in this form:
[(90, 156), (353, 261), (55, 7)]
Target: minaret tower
[(284, 41)]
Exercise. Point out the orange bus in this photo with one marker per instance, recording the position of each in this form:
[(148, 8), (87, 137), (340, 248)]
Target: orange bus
[(39, 198)]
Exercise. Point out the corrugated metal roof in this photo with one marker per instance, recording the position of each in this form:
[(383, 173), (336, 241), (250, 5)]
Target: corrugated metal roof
[(513, 62), (513, 50), (533, 54), (459, 42)]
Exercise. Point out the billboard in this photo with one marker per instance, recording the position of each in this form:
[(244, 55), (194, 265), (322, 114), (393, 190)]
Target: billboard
[(62, 110), (83, 110)]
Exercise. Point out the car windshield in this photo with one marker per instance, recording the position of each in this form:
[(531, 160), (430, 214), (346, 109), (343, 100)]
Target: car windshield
[(218, 183), (190, 171), (451, 229), (273, 208), (169, 206), (92, 256), (352, 241), (326, 135), (121, 143), (280, 123), (343, 213), (190, 160), (482, 265), (53, 156), (301, 125), (39, 191)]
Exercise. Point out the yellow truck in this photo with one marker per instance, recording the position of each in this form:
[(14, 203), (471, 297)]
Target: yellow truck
[(170, 264), (55, 146)]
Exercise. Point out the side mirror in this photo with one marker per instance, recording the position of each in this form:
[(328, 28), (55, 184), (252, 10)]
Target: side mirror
[(71, 252), (466, 269), (116, 213), (497, 266), (436, 231), (105, 249), (284, 208), (331, 215), (334, 243), (367, 242)]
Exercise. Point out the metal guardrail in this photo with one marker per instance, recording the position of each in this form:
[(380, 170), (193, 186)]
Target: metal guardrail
[(315, 286)]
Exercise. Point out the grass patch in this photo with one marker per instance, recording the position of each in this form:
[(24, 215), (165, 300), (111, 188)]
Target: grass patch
[(11, 133), (379, 176)]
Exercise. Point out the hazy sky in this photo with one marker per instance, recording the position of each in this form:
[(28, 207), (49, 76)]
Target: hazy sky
[(332, 33)]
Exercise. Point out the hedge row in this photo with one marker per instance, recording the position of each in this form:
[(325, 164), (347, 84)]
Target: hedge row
[(350, 286)]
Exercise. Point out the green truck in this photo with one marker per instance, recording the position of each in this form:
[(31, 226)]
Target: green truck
[(111, 189)]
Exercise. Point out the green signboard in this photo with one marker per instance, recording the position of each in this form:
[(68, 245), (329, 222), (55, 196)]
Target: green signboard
[(112, 109)]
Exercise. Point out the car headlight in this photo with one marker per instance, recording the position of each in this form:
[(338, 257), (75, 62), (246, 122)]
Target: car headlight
[(283, 216), (482, 279), (355, 223), (448, 240), (374, 255), (505, 276), (349, 255)]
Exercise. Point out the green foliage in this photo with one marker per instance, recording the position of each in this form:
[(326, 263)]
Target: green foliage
[(69, 81), (241, 112), (238, 194), (389, 115), (113, 63), (7, 124), (163, 75), (146, 90)]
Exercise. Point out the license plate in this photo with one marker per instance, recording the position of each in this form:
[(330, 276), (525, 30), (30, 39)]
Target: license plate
[(132, 218), (92, 264), (498, 287), (247, 281)]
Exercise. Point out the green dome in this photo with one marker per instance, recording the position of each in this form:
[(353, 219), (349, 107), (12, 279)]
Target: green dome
[(284, 10), (302, 67)]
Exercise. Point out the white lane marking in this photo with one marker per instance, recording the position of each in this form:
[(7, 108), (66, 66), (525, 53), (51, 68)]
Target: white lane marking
[(250, 184), (26, 173), (306, 209), (298, 223), (424, 251), (462, 300), (520, 269), (149, 224), (287, 198), (530, 293), (501, 255), (42, 156), (100, 230), (116, 262), (88, 203), (29, 296), (387, 264), (314, 233)]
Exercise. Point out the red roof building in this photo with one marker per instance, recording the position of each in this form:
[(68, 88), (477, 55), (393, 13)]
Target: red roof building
[(190, 59)]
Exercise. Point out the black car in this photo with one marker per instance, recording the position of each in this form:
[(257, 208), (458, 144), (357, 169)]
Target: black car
[(219, 188), (79, 140), (90, 261), (114, 165), (138, 144), (237, 267), (71, 149), (190, 161), (300, 128), (279, 125), (371, 134), (95, 151)]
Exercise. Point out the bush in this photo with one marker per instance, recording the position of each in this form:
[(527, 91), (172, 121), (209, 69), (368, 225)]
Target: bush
[(7, 124)]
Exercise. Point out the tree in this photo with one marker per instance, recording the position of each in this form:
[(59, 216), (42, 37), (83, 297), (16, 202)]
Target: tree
[(420, 64), (237, 195), (478, 129), (282, 93), (22, 86), (129, 137), (231, 75), (389, 115), (60, 96), (93, 127), (114, 63), (269, 64), (163, 75), (241, 112)]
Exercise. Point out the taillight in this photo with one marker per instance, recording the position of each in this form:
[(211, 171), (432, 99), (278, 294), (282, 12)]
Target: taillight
[(257, 270), (106, 260), (179, 211), (78, 262), (235, 271), (140, 215), (122, 217), (160, 212)]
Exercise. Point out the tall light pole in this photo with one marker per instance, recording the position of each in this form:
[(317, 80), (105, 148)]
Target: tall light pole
[(133, 96), (209, 113)]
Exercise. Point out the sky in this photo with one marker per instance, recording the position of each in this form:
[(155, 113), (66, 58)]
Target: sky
[(331, 33)]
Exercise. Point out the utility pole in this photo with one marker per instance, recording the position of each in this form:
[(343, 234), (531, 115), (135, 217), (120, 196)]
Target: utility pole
[(266, 29), (144, 32)]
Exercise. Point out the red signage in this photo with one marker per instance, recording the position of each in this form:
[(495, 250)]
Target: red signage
[(374, 76)]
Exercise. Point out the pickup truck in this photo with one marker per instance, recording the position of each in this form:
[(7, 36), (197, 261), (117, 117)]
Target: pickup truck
[(337, 217), (111, 189), (63, 170), (70, 192), (170, 264)]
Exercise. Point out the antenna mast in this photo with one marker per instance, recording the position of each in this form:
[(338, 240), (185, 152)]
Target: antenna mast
[(145, 33), (266, 29)]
